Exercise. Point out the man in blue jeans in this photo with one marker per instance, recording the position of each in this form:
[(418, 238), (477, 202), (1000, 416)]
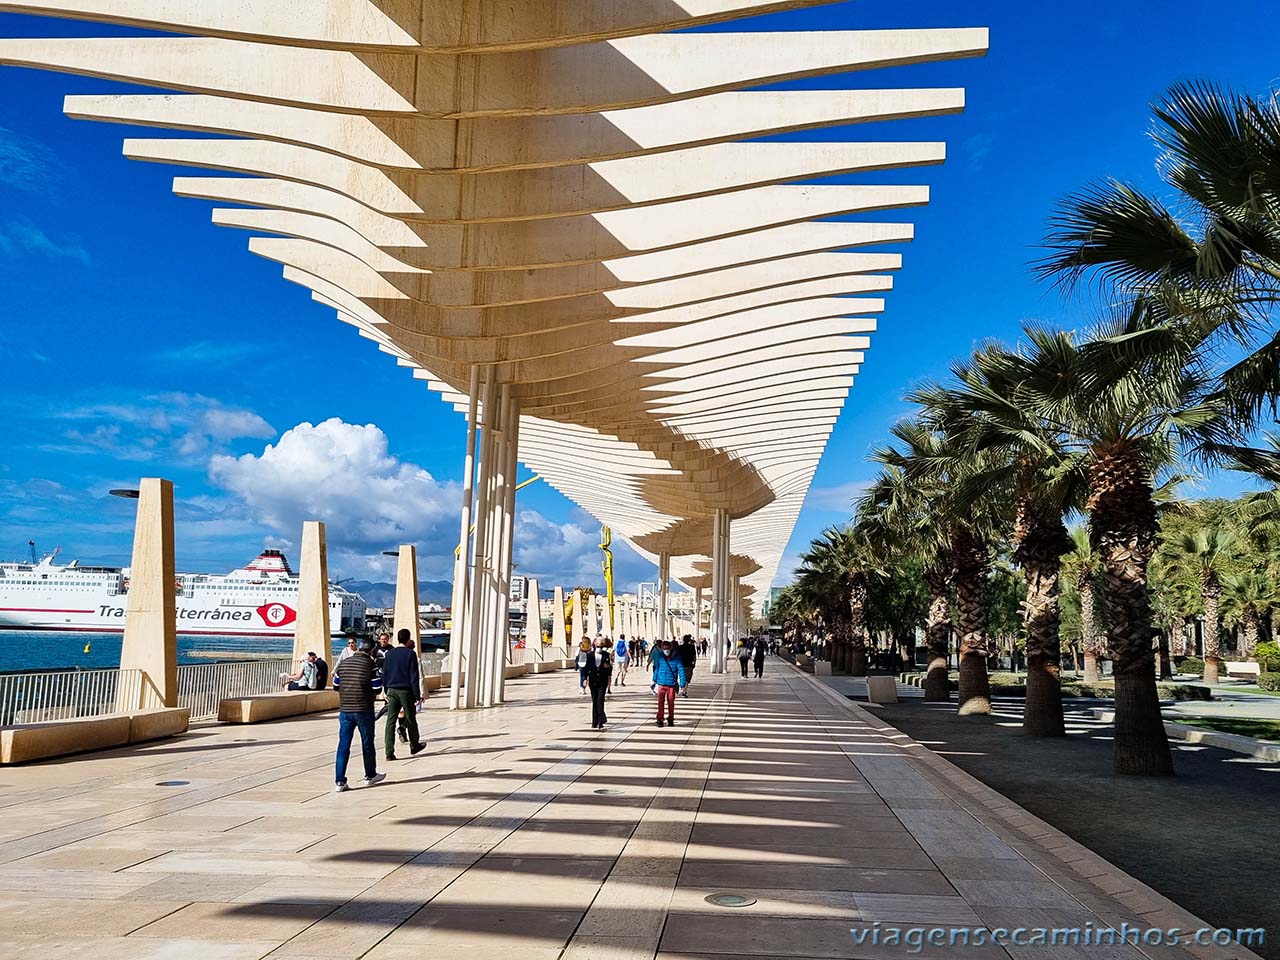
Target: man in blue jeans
[(354, 677)]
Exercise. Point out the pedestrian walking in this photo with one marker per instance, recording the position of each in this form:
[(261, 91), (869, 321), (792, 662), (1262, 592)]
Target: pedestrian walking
[(668, 677), (689, 657), (759, 659), (744, 656), (402, 687), (350, 650), (621, 661), (598, 671), (584, 652), (354, 677)]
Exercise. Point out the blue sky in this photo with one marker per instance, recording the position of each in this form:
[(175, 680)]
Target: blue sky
[(138, 339)]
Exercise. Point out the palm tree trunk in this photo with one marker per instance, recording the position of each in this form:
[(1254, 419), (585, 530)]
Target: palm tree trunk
[(937, 683), (858, 624), (1250, 631), (1166, 665), (1088, 630), (1042, 543), (970, 560), (1211, 591), (1123, 526), (839, 643)]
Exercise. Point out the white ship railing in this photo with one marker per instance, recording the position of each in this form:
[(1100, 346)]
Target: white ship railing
[(66, 694)]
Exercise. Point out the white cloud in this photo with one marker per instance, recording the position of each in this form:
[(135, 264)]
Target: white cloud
[(345, 475), (207, 353), (27, 164), (568, 554), (172, 426), (838, 498), (21, 235)]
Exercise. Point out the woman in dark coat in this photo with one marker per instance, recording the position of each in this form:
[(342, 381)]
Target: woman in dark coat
[(598, 672), (759, 659)]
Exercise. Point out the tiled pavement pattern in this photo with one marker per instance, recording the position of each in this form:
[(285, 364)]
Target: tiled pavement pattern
[(523, 835)]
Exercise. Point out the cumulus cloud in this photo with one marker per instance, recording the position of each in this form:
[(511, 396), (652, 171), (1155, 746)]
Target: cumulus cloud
[(568, 553), (345, 475)]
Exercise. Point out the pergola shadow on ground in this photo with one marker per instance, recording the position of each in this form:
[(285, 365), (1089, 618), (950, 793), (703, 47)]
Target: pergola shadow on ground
[(1200, 837), (521, 833)]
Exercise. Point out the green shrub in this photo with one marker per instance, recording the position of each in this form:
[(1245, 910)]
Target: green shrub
[(1183, 691), (1268, 655), (1192, 665), (1269, 682)]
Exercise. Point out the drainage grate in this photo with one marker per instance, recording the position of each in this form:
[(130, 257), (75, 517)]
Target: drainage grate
[(173, 783), (730, 900)]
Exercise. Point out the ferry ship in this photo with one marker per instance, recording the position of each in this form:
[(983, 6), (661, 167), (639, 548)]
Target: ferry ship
[(258, 600)]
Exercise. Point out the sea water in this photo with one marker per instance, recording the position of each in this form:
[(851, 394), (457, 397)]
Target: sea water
[(52, 650)]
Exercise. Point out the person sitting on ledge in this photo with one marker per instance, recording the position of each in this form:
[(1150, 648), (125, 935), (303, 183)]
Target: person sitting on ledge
[(310, 676)]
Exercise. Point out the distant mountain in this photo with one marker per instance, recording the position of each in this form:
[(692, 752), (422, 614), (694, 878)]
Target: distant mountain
[(384, 594)]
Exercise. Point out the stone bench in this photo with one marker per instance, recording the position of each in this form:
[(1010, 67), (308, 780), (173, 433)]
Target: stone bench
[(882, 690), (1242, 669), (58, 738), (274, 706)]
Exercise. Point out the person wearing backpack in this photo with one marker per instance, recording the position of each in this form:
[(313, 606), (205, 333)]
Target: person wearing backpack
[(621, 660), (668, 676)]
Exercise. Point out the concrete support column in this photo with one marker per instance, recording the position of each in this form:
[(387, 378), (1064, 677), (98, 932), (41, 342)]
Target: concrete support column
[(697, 614), (579, 619), (506, 553), (150, 627), (311, 629), (462, 561), (490, 641), (664, 595), (532, 621), (559, 632), (717, 595), (480, 560), (406, 616)]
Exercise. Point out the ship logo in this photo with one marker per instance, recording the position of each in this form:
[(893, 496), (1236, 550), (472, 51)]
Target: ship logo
[(277, 614)]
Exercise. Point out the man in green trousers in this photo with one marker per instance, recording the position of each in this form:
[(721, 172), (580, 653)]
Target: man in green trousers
[(400, 685)]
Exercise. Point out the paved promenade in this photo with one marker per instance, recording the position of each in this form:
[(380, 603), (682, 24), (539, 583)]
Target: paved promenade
[(521, 834)]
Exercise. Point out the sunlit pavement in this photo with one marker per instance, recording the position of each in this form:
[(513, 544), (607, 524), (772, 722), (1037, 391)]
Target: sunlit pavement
[(521, 833)]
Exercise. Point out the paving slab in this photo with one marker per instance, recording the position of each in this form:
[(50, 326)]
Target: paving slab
[(521, 834)]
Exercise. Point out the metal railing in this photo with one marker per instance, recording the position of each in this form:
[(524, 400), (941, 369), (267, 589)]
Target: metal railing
[(66, 694), (202, 686)]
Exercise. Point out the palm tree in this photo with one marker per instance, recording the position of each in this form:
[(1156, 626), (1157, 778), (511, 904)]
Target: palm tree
[(896, 519), (1124, 415), (1246, 596), (1201, 553), (1220, 152), (830, 574), (939, 466), (1026, 455), (1082, 565)]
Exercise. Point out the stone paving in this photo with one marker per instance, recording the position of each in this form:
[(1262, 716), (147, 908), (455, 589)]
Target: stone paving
[(522, 834)]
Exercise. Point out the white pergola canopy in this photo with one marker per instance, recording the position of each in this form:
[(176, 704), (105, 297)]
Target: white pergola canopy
[(563, 195)]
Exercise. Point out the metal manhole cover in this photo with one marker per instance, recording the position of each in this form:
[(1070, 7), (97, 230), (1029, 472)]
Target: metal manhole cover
[(173, 783), (730, 900), (606, 792)]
